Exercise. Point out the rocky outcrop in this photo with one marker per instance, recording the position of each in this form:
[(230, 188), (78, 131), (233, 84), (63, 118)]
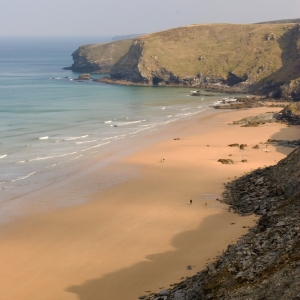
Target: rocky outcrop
[(128, 66), (264, 263), (98, 58), (84, 76), (263, 118), (291, 113)]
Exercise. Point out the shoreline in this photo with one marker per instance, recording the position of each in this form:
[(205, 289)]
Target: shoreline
[(219, 88), (129, 235)]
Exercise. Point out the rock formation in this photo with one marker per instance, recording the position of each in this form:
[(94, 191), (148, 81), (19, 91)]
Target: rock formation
[(259, 58), (265, 262), (98, 58), (291, 113)]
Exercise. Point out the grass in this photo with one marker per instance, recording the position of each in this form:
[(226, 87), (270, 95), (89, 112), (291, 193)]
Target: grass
[(216, 49)]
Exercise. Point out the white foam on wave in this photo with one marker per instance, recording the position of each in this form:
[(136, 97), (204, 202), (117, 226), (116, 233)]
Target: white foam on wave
[(2, 156), (169, 116), (133, 122), (163, 108), (73, 158), (106, 122), (78, 143), (75, 138), (95, 146), (43, 138), (185, 108), (21, 178), (55, 156), (110, 138)]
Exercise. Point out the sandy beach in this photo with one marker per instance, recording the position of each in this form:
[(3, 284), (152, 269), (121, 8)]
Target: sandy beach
[(140, 235)]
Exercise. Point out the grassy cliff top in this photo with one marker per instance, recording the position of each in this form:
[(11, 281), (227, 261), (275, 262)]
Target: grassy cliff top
[(253, 50), (112, 51)]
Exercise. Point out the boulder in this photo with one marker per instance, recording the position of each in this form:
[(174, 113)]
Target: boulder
[(291, 113), (226, 161), (85, 76)]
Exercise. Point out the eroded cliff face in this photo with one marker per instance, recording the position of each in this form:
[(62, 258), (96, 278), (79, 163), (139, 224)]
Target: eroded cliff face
[(99, 57), (129, 66)]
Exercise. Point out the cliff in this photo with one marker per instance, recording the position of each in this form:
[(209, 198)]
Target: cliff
[(256, 57), (99, 57)]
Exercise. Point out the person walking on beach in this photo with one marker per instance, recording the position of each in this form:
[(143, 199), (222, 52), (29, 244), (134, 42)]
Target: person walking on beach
[(191, 202)]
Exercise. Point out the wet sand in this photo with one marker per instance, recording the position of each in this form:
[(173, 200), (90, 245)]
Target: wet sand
[(141, 235)]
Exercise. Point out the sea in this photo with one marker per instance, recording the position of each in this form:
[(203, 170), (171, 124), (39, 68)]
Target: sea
[(56, 132)]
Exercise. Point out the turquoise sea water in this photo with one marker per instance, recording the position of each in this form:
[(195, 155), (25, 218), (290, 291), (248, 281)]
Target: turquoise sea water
[(49, 122)]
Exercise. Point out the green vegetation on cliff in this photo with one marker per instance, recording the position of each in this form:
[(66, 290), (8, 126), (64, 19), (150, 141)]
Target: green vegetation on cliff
[(263, 58), (99, 57), (223, 51)]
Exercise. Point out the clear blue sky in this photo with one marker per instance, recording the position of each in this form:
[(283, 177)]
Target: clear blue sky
[(115, 17)]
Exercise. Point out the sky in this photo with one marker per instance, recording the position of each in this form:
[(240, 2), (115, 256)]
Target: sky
[(121, 17)]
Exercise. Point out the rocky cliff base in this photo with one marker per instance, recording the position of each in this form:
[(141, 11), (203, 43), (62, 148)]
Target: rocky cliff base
[(265, 263)]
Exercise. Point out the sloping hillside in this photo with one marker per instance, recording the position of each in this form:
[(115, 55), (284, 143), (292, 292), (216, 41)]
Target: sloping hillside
[(256, 55), (259, 58)]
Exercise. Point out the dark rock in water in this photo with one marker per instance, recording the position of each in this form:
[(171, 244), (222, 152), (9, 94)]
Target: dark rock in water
[(243, 146), (255, 147), (176, 139), (244, 160), (84, 76), (234, 145), (226, 161)]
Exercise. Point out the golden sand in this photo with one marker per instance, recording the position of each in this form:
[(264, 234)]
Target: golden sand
[(141, 235)]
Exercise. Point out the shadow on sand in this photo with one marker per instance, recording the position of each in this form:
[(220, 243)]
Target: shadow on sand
[(285, 134), (161, 269)]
